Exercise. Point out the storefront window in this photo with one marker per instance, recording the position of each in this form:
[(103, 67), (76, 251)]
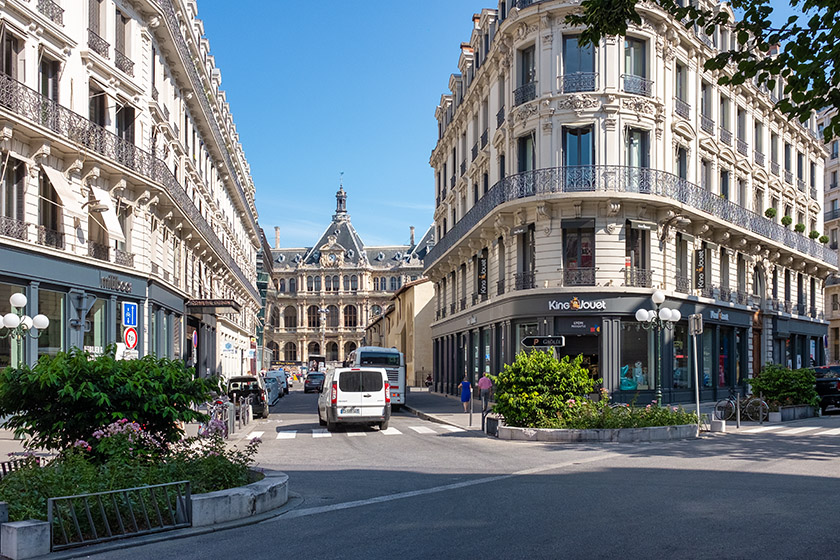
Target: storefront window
[(164, 327), (9, 348), (485, 341), (725, 357), (523, 330), (635, 358), (51, 340), (708, 362), (682, 370), (95, 339)]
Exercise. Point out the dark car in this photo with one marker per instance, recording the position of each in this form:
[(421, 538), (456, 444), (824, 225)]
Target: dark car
[(314, 382), (828, 386), (248, 386)]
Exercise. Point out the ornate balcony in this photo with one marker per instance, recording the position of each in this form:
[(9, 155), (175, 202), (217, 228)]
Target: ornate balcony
[(708, 291), (99, 251), (500, 287), (638, 277), (50, 238), (474, 152), (758, 158), (682, 283), (682, 108), (484, 138), (463, 167), (579, 81), (452, 181), (774, 168), (524, 93), (123, 63), (53, 11), (524, 281), (452, 308), (637, 85), (800, 184), (155, 94), (500, 116), (11, 227), (725, 136), (578, 276), (609, 179), (788, 176), (742, 147), (463, 303), (99, 45), (123, 258), (707, 124)]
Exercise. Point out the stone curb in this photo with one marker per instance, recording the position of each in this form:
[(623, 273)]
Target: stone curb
[(623, 435), (432, 418)]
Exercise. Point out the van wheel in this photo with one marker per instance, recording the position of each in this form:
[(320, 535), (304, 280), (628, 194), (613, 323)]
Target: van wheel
[(383, 426), (330, 425), (265, 412)]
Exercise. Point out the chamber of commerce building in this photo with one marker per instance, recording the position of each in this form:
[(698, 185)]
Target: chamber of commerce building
[(123, 183), (572, 182)]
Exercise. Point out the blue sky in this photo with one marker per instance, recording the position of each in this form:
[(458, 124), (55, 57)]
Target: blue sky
[(317, 88)]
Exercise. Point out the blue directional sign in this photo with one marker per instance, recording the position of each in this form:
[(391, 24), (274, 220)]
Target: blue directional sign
[(129, 314)]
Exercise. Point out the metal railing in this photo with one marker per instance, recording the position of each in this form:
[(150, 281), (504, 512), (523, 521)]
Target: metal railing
[(99, 45), (707, 125), (682, 283), (105, 516), (123, 62), (50, 238), (452, 308), (813, 192), (155, 94), (484, 138), (12, 465), (99, 251), (638, 277), (725, 293), (17, 229), (725, 136), (758, 158), (579, 81), (578, 276), (774, 168), (53, 11), (463, 167), (452, 181), (32, 106), (832, 214), (123, 258), (500, 287), (524, 93), (800, 184), (463, 303), (524, 281), (637, 180), (708, 291), (788, 176), (637, 85), (682, 108), (500, 116), (474, 152), (742, 147)]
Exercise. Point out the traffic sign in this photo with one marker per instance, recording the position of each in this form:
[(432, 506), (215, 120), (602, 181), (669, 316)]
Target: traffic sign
[(695, 324), (130, 338), (544, 341), (129, 314)]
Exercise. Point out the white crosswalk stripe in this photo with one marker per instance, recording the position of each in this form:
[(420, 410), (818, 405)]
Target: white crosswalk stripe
[(356, 434), (321, 433), (833, 432), (391, 432), (255, 435), (793, 431), (422, 430), (452, 428), (761, 429), (289, 434)]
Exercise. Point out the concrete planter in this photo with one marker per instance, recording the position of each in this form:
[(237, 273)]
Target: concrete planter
[(622, 435), (796, 412), (774, 417)]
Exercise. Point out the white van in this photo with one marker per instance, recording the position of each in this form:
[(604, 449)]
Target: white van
[(355, 396), (392, 360)]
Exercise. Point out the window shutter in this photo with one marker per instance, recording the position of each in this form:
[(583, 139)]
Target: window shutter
[(93, 16), (119, 42), (3, 53), (20, 176)]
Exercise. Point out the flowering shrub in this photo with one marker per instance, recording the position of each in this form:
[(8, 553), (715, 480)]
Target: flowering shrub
[(585, 414)]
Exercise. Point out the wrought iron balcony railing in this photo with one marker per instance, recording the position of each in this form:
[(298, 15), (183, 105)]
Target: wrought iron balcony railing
[(774, 168), (50, 238), (708, 291), (742, 147), (682, 108), (123, 258), (638, 180), (463, 167), (725, 136), (813, 193), (452, 308), (707, 125), (474, 151), (484, 138), (682, 283), (452, 181), (638, 277), (16, 229), (524, 93), (800, 308), (832, 214), (579, 81), (500, 116), (788, 306), (53, 11), (524, 281), (123, 63), (463, 303), (800, 184), (758, 158), (29, 104), (99, 251), (99, 45), (578, 276), (637, 85), (788, 176), (500, 287), (832, 186)]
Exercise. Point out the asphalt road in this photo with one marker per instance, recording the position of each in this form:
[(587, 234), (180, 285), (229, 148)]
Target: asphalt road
[(423, 491)]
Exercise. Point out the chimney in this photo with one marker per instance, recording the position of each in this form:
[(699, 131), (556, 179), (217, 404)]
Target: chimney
[(276, 237), (411, 229)]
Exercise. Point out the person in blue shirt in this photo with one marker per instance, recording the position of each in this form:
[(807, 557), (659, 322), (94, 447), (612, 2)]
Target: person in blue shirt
[(466, 392)]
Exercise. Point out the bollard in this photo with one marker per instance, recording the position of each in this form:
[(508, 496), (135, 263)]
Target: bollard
[(738, 411)]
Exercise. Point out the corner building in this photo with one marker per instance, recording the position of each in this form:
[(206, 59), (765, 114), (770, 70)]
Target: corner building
[(123, 181), (571, 182)]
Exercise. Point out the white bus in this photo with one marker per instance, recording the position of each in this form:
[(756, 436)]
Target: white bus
[(389, 358)]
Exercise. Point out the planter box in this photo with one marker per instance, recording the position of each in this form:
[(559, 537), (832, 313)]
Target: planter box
[(797, 412), (774, 417), (623, 435)]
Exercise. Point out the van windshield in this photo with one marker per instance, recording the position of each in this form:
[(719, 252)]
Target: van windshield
[(379, 359), (360, 381)]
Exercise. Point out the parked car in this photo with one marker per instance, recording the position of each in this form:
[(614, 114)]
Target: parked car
[(289, 379), (828, 386), (249, 386), (355, 396), (314, 382), (279, 377), (273, 390)]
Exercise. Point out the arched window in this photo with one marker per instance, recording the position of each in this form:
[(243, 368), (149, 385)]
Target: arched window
[(290, 352), (346, 283), (292, 285), (310, 284), (328, 283), (348, 347), (317, 283), (336, 285), (332, 351), (313, 348), (394, 284), (332, 316), (281, 286), (376, 310), (290, 317), (275, 317), (350, 319), (312, 317), (354, 282), (275, 350), (376, 284)]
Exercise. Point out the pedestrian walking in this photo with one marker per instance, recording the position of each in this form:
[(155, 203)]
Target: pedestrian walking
[(466, 393), (484, 386)]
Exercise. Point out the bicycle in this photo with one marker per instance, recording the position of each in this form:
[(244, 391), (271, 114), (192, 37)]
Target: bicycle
[(217, 413), (752, 408)]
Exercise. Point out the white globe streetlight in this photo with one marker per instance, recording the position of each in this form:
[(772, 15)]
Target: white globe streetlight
[(16, 325), (657, 319)]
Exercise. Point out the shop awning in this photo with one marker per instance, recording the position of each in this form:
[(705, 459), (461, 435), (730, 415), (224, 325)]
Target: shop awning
[(109, 216), (213, 306), (69, 198), (642, 224)]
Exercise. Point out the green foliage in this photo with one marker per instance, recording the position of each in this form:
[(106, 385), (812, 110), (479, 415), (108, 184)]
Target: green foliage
[(584, 414), (786, 220), (530, 391), (65, 398), (806, 61), (770, 212), (778, 384), (823, 239), (814, 234), (799, 228)]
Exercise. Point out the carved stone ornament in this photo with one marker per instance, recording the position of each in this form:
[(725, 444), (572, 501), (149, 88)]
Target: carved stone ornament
[(524, 30), (613, 207), (611, 228), (578, 103), (547, 126), (548, 39), (638, 105), (526, 111)]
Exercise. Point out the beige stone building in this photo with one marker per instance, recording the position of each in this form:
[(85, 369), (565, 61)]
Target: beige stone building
[(832, 230)]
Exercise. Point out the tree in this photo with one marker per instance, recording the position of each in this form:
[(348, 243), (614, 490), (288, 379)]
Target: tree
[(808, 60)]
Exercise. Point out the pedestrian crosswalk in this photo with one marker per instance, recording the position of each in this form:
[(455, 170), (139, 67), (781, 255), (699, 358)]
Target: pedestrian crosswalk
[(785, 431), (322, 433)]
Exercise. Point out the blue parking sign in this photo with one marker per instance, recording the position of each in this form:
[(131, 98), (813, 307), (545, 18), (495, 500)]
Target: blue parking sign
[(129, 314)]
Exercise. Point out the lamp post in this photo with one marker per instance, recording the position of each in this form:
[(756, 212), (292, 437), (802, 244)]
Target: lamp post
[(658, 319), (16, 325)]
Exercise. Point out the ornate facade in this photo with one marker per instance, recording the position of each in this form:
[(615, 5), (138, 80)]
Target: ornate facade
[(124, 183), (323, 296), (571, 182), (832, 230)]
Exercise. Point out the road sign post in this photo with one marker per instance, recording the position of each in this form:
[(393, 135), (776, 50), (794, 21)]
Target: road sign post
[(532, 341), (695, 329), (129, 314), (130, 338)]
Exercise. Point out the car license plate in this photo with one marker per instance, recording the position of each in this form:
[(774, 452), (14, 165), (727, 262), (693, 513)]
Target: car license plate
[(349, 410)]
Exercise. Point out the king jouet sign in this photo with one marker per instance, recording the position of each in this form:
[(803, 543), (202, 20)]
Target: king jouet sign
[(577, 304)]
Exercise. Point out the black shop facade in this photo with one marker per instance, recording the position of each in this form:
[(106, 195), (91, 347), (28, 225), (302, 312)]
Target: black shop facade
[(618, 352)]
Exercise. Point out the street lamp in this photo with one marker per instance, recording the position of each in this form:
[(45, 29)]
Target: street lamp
[(17, 326), (658, 319)]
